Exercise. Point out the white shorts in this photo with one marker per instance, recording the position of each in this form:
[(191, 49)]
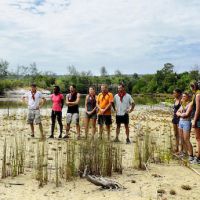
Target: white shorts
[(33, 116), (72, 117)]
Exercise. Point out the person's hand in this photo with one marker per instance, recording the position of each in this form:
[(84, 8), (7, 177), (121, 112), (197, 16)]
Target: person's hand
[(183, 115), (194, 124), (102, 111), (129, 110), (89, 112), (24, 100)]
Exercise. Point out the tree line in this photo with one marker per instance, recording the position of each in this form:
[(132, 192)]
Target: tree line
[(163, 81)]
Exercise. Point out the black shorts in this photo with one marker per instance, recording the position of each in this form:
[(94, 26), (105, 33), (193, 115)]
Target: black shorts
[(92, 116), (104, 119), (122, 119)]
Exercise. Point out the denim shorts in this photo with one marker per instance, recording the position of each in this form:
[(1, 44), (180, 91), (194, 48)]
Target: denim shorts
[(186, 125)]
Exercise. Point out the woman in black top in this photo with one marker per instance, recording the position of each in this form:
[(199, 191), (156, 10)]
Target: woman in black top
[(90, 111), (177, 104)]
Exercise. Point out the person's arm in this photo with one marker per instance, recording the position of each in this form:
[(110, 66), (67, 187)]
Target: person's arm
[(62, 101), (132, 104), (94, 109), (25, 98), (43, 101), (113, 105), (197, 112), (75, 102), (67, 102), (109, 105), (132, 107), (179, 112), (188, 111), (86, 99), (97, 103)]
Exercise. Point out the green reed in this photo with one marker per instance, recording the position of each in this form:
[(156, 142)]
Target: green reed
[(13, 161)]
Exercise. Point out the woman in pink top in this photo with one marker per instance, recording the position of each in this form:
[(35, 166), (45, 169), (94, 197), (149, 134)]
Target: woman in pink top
[(58, 102)]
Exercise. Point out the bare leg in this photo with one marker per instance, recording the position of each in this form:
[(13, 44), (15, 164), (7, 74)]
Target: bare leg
[(127, 130), (180, 140), (41, 130), (87, 120), (108, 131), (67, 129), (176, 134), (117, 132), (93, 127), (100, 131), (78, 131), (32, 129), (186, 136), (197, 132)]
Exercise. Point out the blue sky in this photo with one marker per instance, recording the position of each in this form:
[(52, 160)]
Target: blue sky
[(133, 36)]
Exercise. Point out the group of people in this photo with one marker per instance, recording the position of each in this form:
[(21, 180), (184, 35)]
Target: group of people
[(97, 109), (187, 116)]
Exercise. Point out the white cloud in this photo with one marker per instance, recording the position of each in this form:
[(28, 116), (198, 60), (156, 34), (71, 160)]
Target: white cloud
[(134, 35)]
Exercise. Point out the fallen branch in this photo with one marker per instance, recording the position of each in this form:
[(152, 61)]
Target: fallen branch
[(186, 164), (101, 181)]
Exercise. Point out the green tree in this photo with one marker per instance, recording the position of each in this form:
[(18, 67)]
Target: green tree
[(3, 68), (103, 71)]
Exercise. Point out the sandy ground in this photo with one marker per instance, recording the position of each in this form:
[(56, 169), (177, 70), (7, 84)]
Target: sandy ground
[(139, 184)]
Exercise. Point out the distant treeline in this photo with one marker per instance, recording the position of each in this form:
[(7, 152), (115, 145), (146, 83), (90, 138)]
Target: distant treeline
[(163, 81)]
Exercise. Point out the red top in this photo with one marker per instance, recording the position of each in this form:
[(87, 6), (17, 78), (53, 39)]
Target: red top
[(57, 102)]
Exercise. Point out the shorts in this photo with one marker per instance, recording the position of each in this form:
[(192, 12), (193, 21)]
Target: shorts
[(72, 117), (186, 125), (92, 116), (122, 119), (104, 119), (33, 116), (175, 120)]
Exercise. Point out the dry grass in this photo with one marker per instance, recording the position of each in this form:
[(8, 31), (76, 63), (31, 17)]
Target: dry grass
[(59, 161)]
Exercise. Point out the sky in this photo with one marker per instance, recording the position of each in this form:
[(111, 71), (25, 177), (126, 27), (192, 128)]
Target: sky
[(133, 36)]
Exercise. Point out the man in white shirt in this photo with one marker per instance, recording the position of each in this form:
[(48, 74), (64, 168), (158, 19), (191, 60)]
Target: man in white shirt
[(123, 104), (33, 99)]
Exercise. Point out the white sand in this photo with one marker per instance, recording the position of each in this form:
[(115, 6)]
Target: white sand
[(173, 175)]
